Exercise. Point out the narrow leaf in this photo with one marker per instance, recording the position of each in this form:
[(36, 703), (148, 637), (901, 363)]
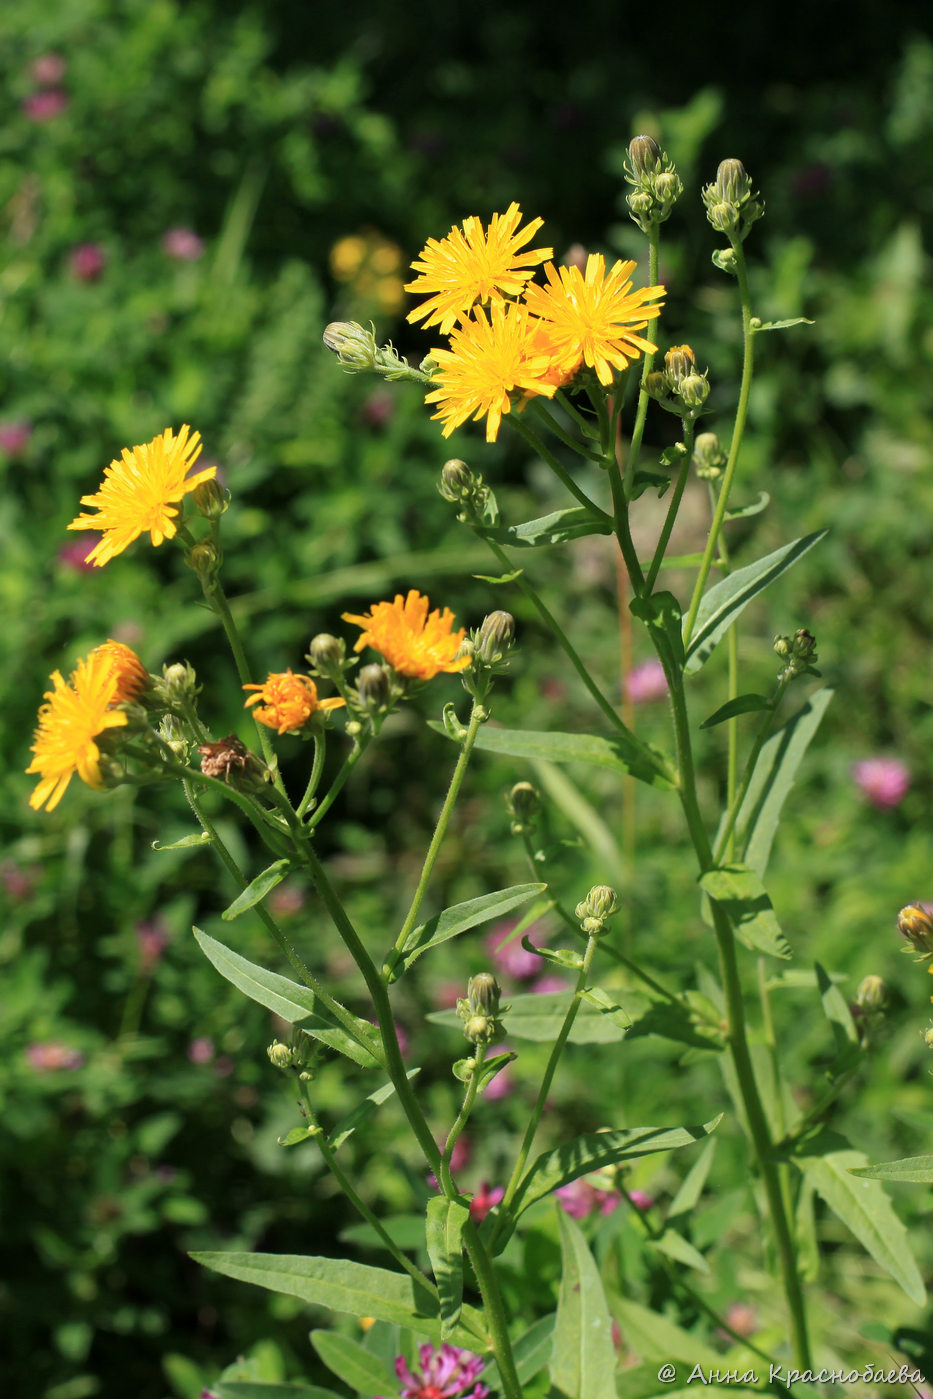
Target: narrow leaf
[(864, 1208), (724, 601), (293, 1003), (444, 1221), (499, 578), (588, 1153), (256, 891), (760, 812), (742, 512), (675, 1246), (583, 1360), (596, 996), (742, 704), (652, 1335), (622, 753), (683, 1023), (297, 1135), (342, 1286), (758, 326), (741, 894), (185, 843), (691, 1188), (915, 1170), (467, 915), (836, 1010), (348, 1125), (347, 1359), (575, 523), (539, 1018)]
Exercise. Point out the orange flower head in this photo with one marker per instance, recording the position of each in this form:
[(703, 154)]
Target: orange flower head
[(132, 676), (473, 265), (286, 701), (76, 714), (592, 317), (139, 493), (414, 642)]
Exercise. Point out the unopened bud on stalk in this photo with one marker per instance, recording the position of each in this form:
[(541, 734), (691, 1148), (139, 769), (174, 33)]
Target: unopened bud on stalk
[(657, 186), (479, 1009), (483, 994), (205, 558), (732, 183), (353, 346), (478, 1030), (708, 457), (644, 155), (656, 385), (732, 206), (495, 638), (798, 652), (694, 390), (465, 488), (600, 903), (915, 924), (327, 655), (928, 1037), (373, 688), (178, 685), (523, 803), (210, 498), (280, 1055), (679, 361), (872, 994)]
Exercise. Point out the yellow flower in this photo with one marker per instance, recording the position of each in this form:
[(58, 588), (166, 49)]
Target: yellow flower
[(592, 318), (412, 641), (287, 701), (487, 361), (76, 714), (139, 493), (132, 676), (471, 265)]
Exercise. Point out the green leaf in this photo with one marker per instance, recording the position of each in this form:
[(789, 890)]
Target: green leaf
[(863, 1208), (531, 1353), (722, 604), (758, 326), (466, 915), (596, 996), (499, 578), (263, 1389), (185, 843), (539, 1018), (687, 1023), (444, 1221), (837, 1012), (675, 1246), (298, 1135), (742, 704), (561, 525), (663, 613), (348, 1125), (583, 1360), (914, 1170), (653, 480), (760, 812), (742, 512), (257, 890), (358, 1369), (581, 813), (293, 1003), (342, 1286), (742, 896), (588, 1153), (622, 753), (652, 1335), (691, 1188)]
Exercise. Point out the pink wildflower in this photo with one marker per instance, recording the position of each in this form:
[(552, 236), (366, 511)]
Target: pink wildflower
[(511, 957), (581, 1199), (182, 244), (86, 262), (16, 881), (201, 1050), (484, 1199), (74, 553), (884, 781), (641, 1200), (48, 69), (743, 1318), (46, 105), (51, 1055), (152, 940), (443, 1374), (548, 984), (14, 436), (646, 682)]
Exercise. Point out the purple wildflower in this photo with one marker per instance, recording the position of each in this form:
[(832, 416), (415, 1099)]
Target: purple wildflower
[(581, 1199), (884, 781), (646, 682), (86, 262), (51, 1055), (182, 244), (14, 437), (444, 1374)]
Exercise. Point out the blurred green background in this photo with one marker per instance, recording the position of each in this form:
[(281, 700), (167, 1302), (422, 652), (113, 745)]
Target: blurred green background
[(188, 193)]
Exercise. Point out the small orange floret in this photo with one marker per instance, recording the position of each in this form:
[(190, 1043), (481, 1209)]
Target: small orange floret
[(286, 701), (132, 676), (414, 642)]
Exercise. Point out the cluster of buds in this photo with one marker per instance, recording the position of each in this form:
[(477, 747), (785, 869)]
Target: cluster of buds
[(301, 1054), (523, 803), (464, 488), (357, 351), (600, 903), (479, 1009), (657, 185), (915, 924), (177, 687), (708, 457), (732, 206), (679, 379), (798, 652), (489, 646)]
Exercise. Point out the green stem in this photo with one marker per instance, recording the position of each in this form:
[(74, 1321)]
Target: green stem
[(317, 767), (553, 426), (350, 762), (641, 413), (672, 509), (494, 1310), (534, 441), (725, 840), (478, 715), (741, 413), (216, 599), (550, 1069), (463, 1117)]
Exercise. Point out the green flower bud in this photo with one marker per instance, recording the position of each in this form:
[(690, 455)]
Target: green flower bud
[(708, 457), (477, 1030), (374, 688), (679, 361), (483, 994), (178, 685), (327, 656), (523, 803), (465, 488), (668, 187), (354, 347), (644, 155), (495, 638), (210, 498), (732, 183), (205, 558), (280, 1055), (799, 652), (657, 386), (600, 903), (915, 924), (694, 390), (872, 994), (640, 204), (928, 1037)]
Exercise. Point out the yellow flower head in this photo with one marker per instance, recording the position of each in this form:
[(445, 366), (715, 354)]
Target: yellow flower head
[(487, 361), (76, 714), (287, 701), (412, 641), (474, 264), (139, 493), (132, 676), (592, 317)]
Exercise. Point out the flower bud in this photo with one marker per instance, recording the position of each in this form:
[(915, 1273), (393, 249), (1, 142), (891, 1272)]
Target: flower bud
[(678, 363), (178, 685), (644, 154), (523, 803), (928, 1037), (495, 638), (205, 558), (799, 652), (477, 1029), (708, 457), (694, 390), (327, 655), (915, 924), (210, 498), (872, 994), (656, 385), (373, 688), (600, 903), (483, 994), (280, 1055), (732, 182), (723, 217), (457, 480), (640, 203), (354, 347), (668, 186)]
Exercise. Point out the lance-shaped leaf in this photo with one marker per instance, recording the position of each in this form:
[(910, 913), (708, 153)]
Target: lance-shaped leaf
[(836, 1010), (758, 326), (741, 895), (724, 601), (294, 1003), (359, 1369), (444, 1221), (742, 704), (466, 915), (863, 1208), (539, 1018), (574, 523), (348, 1125), (583, 1359), (588, 1153), (651, 1333), (621, 753), (742, 512), (914, 1170), (675, 1246), (185, 842), (257, 890), (343, 1286)]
